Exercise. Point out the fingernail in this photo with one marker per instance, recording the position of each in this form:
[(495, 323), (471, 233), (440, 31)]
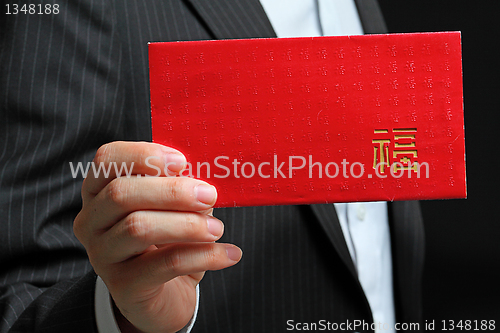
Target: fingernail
[(233, 252), (214, 226), (175, 162), (205, 194)]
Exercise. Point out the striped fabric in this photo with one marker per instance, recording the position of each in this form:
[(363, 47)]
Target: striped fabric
[(76, 80)]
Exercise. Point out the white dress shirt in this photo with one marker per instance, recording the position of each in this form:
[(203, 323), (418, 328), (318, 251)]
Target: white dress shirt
[(366, 231)]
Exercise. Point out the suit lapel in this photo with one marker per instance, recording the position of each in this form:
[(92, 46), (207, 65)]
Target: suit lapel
[(229, 19), (328, 219), (371, 17), (407, 235)]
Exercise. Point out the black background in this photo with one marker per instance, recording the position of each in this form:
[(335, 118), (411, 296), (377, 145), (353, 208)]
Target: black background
[(462, 270)]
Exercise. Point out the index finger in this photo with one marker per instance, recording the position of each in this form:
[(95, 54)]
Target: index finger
[(120, 158)]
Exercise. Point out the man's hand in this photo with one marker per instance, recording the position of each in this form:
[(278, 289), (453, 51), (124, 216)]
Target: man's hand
[(150, 238)]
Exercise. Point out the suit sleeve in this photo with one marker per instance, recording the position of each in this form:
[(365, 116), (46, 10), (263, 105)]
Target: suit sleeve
[(61, 97)]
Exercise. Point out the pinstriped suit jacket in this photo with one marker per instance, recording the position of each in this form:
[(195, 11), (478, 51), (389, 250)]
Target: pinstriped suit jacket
[(73, 81)]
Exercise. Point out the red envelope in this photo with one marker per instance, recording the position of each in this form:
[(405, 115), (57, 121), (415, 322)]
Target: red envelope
[(315, 120)]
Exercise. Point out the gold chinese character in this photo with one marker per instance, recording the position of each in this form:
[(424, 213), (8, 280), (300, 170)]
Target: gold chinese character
[(401, 149)]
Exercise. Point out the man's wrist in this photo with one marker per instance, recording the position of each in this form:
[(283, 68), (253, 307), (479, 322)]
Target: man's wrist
[(124, 325), (110, 320)]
